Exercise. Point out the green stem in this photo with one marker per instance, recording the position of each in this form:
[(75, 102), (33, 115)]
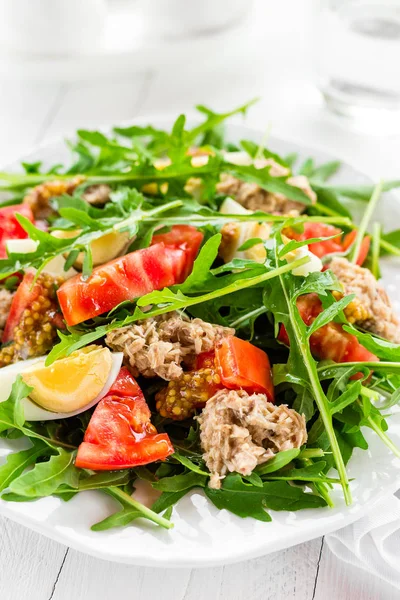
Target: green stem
[(378, 365), (319, 396), (380, 433), (50, 441), (119, 494), (319, 487), (322, 490), (253, 313), (316, 478), (371, 394), (389, 247), (364, 222), (324, 209), (311, 453), (260, 217), (147, 215), (376, 242)]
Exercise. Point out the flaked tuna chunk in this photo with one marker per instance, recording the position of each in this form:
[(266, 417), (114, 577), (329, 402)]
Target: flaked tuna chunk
[(159, 345), (378, 315), (239, 431)]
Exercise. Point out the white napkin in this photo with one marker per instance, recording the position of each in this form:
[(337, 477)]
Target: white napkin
[(373, 542)]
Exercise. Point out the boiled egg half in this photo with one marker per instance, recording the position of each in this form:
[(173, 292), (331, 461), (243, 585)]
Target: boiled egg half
[(67, 387)]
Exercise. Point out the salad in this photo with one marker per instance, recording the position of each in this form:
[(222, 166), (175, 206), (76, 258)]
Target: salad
[(182, 313)]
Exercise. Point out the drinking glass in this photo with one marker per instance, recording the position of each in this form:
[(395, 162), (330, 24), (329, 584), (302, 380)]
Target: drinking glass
[(357, 57)]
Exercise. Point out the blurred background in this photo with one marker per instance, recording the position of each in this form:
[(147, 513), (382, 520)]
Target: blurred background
[(326, 71)]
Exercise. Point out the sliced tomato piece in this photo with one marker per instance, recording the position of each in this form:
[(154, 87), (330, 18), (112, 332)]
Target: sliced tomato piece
[(124, 278), (120, 434), (242, 365), (124, 456), (329, 342), (348, 241), (184, 237), (318, 230), (125, 386), (10, 229)]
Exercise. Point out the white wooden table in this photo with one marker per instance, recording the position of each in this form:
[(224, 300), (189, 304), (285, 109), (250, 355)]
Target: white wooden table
[(35, 568)]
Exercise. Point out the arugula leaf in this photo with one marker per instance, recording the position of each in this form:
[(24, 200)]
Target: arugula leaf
[(325, 171), (178, 483), (310, 473), (121, 518), (329, 203), (214, 119), (240, 498), (253, 150), (186, 462), (103, 480), (246, 500), (307, 168), (167, 500), (45, 478), (131, 510), (11, 410), (280, 460), (17, 462), (329, 314)]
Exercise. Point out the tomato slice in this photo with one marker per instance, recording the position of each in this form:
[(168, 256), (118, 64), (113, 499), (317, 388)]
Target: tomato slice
[(329, 342), (124, 278), (317, 230), (126, 386), (242, 365), (348, 241), (102, 458), (120, 434), (184, 237), (10, 229), (314, 230)]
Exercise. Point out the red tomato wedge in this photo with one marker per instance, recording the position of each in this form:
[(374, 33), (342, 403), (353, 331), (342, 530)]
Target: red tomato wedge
[(317, 230), (184, 237), (329, 342), (124, 278), (242, 365), (10, 229), (348, 241), (126, 386), (120, 434), (336, 244)]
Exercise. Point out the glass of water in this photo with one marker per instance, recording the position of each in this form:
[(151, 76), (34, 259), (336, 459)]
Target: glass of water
[(357, 53)]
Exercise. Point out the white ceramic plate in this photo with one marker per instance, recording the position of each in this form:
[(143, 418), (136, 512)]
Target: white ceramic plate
[(204, 536)]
